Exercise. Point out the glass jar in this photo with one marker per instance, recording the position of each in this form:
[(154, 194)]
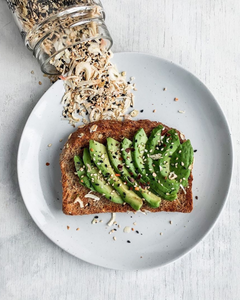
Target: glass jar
[(50, 27)]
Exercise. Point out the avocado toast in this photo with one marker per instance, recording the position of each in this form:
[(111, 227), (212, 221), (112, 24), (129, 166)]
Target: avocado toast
[(98, 146)]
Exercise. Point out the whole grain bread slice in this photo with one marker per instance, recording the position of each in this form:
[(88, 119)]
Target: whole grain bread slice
[(73, 190)]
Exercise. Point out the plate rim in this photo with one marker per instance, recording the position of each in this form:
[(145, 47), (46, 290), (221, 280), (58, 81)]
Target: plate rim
[(181, 255)]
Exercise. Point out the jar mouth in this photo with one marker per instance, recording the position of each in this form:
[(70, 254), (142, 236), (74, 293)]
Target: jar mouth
[(65, 36), (49, 69)]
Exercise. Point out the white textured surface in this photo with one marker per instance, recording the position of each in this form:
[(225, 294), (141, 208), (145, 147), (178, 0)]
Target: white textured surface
[(202, 36)]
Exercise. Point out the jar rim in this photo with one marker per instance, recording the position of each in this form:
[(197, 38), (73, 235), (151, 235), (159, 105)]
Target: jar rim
[(46, 64)]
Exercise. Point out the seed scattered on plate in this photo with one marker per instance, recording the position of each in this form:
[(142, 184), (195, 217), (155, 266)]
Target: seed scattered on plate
[(176, 99), (49, 145), (134, 113), (164, 89), (126, 229), (94, 221), (114, 238), (40, 83), (154, 110), (68, 227), (77, 229), (181, 111)]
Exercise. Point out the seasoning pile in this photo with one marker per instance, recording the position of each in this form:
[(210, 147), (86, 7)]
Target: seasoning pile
[(93, 86), (66, 35)]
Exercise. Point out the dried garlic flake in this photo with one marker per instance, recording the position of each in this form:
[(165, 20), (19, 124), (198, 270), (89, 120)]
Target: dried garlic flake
[(93, 128), (134, 113)]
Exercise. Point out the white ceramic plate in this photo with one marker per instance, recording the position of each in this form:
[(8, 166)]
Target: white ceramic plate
[(203, 123)]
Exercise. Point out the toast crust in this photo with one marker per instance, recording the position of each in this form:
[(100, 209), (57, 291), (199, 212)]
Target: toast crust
[(118, 130)]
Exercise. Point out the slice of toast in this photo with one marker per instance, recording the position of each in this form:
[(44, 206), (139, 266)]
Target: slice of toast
[(72, 189)]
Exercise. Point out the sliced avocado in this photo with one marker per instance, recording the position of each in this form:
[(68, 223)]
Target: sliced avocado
[(97, 180), (80, 169), (153, 141), (159, 184), (180, 162), (126, 149), (99, 155), (168, 146), (162, 147), (139, 143), (116, 160)]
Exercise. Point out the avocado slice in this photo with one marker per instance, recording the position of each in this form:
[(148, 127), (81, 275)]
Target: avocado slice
[(168, 146), (116, 160), (139, 143), (162, 147), (152, 143), (180, 162), (126, 149), (98, 153), (158, 183), (80, 169), (98, 182)]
